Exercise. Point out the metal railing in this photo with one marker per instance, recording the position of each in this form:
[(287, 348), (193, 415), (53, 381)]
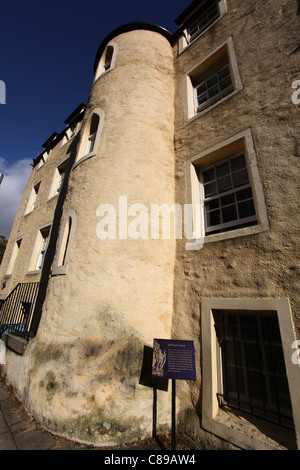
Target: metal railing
[(16, 311)]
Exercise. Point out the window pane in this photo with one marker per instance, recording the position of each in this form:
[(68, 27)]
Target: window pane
[(240, 178), (94, 124), (229, 214), (214, 204), (210, 189), (208, 175), (255, 387), (202, 99), (252, 355), (213, 91), (193, 30), (248, 324), (242, 384), (215, 81), (213, 218), (108, 57), (270, 330), (222, 170), (224, 184), (226, 200), (231, 382), (230, 355), (284, 396), (228, 182), (203, 21), (230, 326), (224, 73), (246, 209), (201, 89), (238, 163), (244, 194), (212, 81), (225, 83), (278, 359)]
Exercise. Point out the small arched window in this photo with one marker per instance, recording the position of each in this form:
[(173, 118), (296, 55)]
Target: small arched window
[(93, 127), (108, 58), (107, 61), (90, 136), (65, 243)]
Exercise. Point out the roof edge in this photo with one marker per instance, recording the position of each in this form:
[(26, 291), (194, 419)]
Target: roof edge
[(75, 113)]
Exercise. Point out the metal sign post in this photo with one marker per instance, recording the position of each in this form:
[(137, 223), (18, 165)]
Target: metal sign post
[(173, 359), (173, 442)]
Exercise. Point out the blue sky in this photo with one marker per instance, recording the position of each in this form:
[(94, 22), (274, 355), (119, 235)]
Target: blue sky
[(47, 52)]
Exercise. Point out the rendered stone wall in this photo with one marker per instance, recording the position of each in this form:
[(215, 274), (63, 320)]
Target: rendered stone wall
[(81, 374), (266, 265)]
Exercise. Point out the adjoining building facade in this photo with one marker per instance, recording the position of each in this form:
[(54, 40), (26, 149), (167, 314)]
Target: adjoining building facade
[(167, 208)]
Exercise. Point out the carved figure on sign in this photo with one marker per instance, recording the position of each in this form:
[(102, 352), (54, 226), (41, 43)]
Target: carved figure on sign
[(159, 360)]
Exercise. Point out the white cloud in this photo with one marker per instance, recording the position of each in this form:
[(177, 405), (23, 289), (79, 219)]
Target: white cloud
[(11, 190)]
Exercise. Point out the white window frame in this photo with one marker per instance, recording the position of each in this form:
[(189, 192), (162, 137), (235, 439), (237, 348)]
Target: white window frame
[(39, 250), (33, 197), (224, 424), (202, 22), (60, 182), (212, 75), (65, 244), (105, 65), (70, 133), (42, 252), (108, 58), (58, 178), (14, 257), (206, 68), (221, 194), (240, 142), (84, 149), (91, 143)]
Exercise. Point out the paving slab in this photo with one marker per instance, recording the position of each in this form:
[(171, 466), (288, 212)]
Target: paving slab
[(7, 442), (33, 440), (3, 424)]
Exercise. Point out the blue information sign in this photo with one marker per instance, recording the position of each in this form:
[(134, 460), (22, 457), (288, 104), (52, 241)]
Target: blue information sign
[(173, 359)]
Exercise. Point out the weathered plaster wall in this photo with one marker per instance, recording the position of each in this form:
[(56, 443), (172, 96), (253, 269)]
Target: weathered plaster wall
[(265, 36), (80, 375)]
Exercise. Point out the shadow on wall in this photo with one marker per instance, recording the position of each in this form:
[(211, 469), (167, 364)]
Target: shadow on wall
[(51, 250)]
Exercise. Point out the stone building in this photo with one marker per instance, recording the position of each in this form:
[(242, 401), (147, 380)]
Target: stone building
[(167, 208)]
